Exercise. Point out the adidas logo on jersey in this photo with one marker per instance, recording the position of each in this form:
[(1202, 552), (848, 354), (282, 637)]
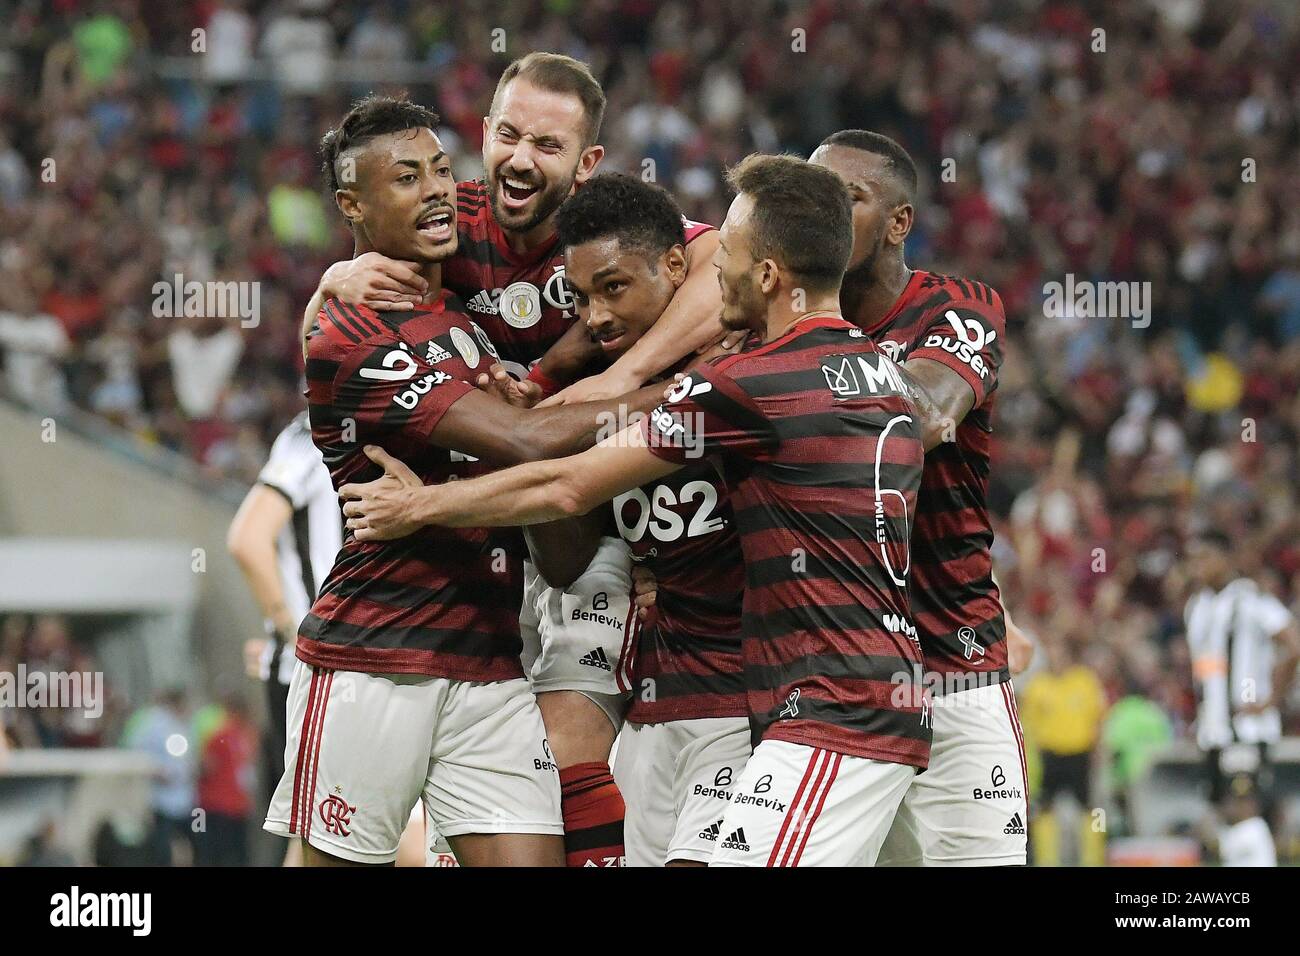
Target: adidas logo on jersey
[(482, 303), (736, 841), (596, 658), (711, 834), (436, 353), (1015, 825)]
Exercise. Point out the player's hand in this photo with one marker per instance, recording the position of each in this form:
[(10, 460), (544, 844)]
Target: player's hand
[(595, 388), (254, 647), (382, 509), (497, 381), (1020, 649), (645, 588), (728, 344), (377, 282)]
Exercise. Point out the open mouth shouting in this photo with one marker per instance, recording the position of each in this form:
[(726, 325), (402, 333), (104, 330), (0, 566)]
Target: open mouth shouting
[(437, 224), (516, 192)]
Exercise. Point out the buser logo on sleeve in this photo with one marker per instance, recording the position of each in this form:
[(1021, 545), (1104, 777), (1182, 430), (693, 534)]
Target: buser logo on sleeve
[(399, 365), (969, 339), (419, 388)]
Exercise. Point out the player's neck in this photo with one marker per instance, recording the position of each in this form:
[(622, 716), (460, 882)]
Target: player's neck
[(781, 318), (522, 243), (867, 300), (431, 272)]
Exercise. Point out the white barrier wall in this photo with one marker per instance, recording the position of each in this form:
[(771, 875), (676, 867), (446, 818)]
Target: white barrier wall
[(74, 489)]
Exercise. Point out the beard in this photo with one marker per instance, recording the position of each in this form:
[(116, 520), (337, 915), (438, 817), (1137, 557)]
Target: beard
[(860, 279), (744, 309), (545, 202)]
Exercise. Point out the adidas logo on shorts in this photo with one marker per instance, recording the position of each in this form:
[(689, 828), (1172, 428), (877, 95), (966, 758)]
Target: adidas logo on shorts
[(482, 303), (711, 834), (1015, 825), (736, 841), (596, 658)]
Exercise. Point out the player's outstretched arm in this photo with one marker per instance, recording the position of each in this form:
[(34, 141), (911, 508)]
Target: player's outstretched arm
[(485, 427), (526, 494), (942, 397), (693, 319)]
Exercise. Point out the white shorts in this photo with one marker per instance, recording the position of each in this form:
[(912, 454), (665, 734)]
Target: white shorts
[(582, 638), (970, 808), (797, 805), (677, 779), (363, 748)]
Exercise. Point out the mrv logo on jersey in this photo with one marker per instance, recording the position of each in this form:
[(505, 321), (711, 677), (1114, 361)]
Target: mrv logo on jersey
[(75, 909), (849, 375), (208, 300)]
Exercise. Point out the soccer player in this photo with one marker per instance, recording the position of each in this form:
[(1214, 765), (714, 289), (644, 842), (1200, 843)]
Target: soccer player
[(1244, 646), (285, 537), (686, 738), (820, 443), (969, 808), (414, 685), (540, 145)]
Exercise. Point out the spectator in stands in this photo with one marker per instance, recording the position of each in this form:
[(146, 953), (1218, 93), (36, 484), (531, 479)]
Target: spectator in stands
[(43, 848), (162, 730), (226, 787), (1135, 731)]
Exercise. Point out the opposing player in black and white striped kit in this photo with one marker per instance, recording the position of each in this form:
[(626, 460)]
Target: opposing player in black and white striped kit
[(1244, 647), (285, 538)]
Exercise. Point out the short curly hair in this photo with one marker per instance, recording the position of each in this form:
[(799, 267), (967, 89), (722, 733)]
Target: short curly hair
[(370, 116), (641, 215)]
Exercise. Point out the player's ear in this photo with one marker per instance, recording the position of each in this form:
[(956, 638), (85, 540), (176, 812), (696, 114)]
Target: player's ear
[(591, 157), (349, 205), (768, 276), (674, 260), (900, 223)]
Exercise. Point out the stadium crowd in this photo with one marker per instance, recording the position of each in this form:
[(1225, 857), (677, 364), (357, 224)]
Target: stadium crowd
[(1163, 150)]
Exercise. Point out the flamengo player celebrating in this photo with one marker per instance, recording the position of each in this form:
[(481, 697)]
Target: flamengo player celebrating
[(414, 686), (686, 738), (970, 807), (539, 146), (821, 447)]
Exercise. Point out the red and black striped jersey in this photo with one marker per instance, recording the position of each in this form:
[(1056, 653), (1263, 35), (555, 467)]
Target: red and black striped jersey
[(821, 448), (687, 663), (520, 298), (957, 608), (442, 602)]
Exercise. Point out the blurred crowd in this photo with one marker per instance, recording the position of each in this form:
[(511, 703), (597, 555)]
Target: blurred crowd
[(206, 754), (1156, 143)]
